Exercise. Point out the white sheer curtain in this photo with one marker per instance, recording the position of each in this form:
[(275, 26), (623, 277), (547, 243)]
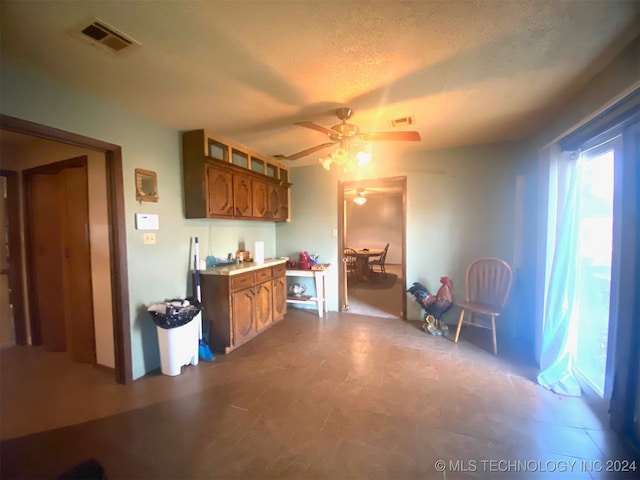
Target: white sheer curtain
[(558, 331)]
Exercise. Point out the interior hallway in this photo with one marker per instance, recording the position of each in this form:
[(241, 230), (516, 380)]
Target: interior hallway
[(346, 396)]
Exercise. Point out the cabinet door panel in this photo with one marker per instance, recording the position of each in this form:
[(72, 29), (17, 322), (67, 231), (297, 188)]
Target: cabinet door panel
[(279, 298), (273, 198), (264, 301), (242, 196), (278, 202), (259, 198), (243, 316), (219, 192)]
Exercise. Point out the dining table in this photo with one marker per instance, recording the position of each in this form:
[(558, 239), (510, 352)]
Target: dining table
[(363, 255)]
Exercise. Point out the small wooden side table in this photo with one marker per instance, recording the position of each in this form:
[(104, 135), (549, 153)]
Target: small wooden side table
[(320, 298)]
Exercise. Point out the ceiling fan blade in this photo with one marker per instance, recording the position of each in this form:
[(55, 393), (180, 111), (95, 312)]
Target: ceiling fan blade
[(391, 136), (308, 151), (319, 128)]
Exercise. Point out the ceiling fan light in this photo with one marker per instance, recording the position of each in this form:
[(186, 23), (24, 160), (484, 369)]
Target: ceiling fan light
[(363, 158), (326, 163), (360, 200)]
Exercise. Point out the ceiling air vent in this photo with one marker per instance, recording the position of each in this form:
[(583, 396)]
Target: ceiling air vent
[(102, 34), (402, 122)]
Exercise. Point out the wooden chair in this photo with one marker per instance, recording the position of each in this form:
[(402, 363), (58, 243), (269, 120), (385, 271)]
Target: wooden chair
[(379, 262), (350, 260), (488, 283)]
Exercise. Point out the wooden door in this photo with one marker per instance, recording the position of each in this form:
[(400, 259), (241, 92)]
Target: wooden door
[(243, 303), (219, 191), (279, 298), (77, 266), (61, 294), (259, 199), (264, 305), (242, 196), (47, 298)]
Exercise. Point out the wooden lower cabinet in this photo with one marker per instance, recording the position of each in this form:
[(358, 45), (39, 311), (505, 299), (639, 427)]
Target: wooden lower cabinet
[(238, 307), (279, 297), (243, 308), (264, 305)]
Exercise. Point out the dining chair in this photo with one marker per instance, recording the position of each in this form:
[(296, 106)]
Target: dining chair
[(350, 260), (488, 284), (379, 262)]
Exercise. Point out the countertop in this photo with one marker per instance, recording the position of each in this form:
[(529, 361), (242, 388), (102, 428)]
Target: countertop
[(242, 267)]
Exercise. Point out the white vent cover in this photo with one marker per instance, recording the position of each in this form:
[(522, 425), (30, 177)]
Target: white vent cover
[(404, 121), (99, 33)]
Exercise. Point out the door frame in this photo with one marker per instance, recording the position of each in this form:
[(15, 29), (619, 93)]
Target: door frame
[(117, 234), (371, 183), (15, 264)]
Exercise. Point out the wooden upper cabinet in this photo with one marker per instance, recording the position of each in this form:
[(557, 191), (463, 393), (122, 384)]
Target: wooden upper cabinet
[(259, 200), (223, 179), (277, 202), (219, 191), (242, 198)]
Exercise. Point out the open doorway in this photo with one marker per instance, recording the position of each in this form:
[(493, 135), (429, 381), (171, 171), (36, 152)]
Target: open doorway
[(111, 157), (372, 222), (594, 248)]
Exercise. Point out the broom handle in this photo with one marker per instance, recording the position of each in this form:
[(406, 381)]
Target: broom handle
[(196, 267)]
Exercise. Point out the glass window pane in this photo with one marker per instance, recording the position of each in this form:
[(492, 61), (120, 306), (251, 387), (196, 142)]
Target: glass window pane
[(240, 159), (217, 150), (594, 266), (257, 165)]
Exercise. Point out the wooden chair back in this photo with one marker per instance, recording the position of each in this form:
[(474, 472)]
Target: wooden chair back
[(489, 281)]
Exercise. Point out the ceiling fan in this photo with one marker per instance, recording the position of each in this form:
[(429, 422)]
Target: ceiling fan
[(345, 132)]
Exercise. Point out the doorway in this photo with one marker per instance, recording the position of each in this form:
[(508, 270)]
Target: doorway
[(369, 225), (116, 236), (58, 258), (594, 249)]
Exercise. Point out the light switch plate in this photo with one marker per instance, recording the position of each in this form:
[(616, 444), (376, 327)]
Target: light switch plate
[(145, 221), (149, 238)]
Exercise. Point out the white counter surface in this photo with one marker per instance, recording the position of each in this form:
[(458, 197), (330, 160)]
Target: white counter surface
[(242, 267)]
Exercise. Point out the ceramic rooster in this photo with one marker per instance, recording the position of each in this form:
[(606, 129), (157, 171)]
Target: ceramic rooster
[(434, 305)]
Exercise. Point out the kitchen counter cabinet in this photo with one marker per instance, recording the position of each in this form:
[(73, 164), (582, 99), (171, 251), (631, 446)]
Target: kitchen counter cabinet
[(240, 302)]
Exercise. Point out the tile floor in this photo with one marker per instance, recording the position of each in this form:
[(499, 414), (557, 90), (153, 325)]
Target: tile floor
[(347, 396), (369, 298)]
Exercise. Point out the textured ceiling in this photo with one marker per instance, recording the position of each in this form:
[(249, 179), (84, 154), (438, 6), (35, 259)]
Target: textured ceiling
[(468, 72)]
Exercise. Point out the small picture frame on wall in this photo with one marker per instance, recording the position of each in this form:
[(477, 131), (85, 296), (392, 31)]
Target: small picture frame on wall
[(146, 186)]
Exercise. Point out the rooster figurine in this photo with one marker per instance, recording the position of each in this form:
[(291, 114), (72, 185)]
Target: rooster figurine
[(434, 305)]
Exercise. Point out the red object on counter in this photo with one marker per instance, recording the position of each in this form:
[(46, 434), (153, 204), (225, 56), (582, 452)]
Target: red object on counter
[(305, 262)]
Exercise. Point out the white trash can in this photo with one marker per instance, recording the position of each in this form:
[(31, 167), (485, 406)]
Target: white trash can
[(177, 323), (178, 347)]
